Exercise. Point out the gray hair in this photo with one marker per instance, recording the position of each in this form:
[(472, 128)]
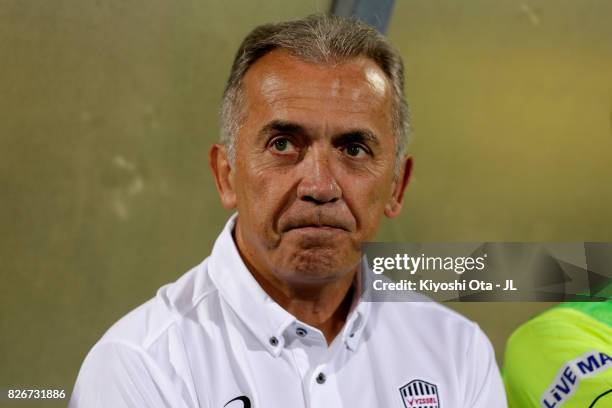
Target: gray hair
[(321, 39)]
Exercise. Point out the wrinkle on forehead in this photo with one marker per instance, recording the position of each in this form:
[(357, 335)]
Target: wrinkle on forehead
[(273, 77), (273, 87), (283, 86)]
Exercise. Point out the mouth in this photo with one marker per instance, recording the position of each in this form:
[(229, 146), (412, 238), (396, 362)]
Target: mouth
[(315, 222), (317, 227), (322, 235)]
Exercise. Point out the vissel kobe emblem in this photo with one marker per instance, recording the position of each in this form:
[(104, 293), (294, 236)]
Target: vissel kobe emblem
[(420, 394)]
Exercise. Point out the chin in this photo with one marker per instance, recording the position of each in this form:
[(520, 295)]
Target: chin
[(320, 265)]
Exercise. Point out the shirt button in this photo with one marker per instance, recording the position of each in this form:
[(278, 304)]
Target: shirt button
[(321, 378), (300, 331), (274, 341)]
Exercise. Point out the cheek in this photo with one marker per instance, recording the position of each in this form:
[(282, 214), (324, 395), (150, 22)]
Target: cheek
[(259, 195), (368, 198), (375, 188)]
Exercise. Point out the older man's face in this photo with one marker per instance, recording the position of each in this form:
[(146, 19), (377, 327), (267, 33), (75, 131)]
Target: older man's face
[(314, 167)]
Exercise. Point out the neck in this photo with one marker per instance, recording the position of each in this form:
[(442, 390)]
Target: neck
[(325, 306)]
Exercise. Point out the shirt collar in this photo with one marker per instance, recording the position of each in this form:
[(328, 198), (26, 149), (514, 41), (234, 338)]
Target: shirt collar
[(359, 311), (265, 318)]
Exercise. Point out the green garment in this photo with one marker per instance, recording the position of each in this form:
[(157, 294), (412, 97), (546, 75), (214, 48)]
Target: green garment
[(562, 358)]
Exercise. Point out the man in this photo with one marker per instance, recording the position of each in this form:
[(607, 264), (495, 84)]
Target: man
[(312, 156)]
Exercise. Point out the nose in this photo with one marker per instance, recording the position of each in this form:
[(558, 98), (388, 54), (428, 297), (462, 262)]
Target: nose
[(318, 183)]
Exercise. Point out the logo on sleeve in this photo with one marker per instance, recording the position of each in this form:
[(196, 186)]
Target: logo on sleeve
[(420, 394), (568, 379)]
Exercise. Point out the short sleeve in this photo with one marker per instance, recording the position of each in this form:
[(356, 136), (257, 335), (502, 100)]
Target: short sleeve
[(118, 375), (559, 358)]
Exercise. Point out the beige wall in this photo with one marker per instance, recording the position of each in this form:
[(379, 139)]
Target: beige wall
[(512, 124), (108, 107)]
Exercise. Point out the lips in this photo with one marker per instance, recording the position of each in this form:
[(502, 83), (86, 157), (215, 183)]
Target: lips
[(321, 222), (322, 227)]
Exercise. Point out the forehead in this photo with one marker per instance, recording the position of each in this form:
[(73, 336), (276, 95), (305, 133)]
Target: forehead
[(356, 89)]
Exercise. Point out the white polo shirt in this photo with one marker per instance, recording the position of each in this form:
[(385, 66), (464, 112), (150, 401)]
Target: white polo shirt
[(215, 339)]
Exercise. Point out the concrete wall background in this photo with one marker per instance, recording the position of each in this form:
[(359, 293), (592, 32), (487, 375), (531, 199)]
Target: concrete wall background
[(107, 110)]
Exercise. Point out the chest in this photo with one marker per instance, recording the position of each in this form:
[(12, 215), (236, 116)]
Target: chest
[(238, 372)]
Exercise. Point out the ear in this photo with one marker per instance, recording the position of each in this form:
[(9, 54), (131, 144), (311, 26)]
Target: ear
[(223, 173), (394, 205)]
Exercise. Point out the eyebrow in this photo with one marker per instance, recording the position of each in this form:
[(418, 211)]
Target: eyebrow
[(353, 135), (357, 135), (281, 126)]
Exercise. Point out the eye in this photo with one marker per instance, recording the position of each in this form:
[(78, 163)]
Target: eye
[(281, 144), (355, 150)]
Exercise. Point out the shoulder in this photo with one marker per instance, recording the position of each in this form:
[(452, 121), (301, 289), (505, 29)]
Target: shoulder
[(565, 330), (132, 364), (436, 329), (428, 318), (444, 344), (144, 325), (555, 337)]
